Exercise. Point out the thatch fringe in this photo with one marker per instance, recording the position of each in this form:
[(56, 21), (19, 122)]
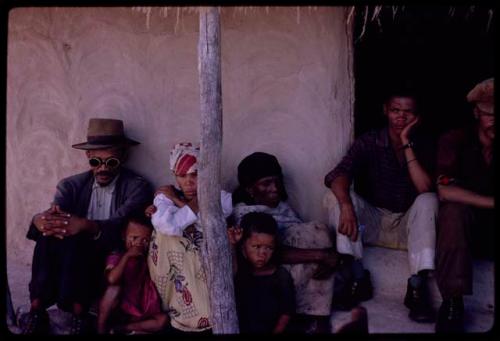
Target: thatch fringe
[(376, 12), (245, 10), (490, 17), (451, 11), (369, 13), (350, 15), (394, 11), (365, 22)]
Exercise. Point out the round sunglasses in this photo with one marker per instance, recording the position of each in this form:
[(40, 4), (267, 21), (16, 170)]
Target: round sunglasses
[(110, 162)]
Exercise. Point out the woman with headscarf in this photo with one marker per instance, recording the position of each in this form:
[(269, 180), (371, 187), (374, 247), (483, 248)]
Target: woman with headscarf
[(174, 255), (307, 254)]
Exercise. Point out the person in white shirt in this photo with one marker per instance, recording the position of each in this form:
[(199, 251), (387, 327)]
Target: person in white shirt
[(174, 255)]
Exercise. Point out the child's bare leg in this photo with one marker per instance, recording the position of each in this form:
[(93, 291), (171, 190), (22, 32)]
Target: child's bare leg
[(108, 303), (153, 324)]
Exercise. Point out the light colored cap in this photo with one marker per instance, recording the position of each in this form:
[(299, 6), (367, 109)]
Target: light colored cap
[(483, 95)]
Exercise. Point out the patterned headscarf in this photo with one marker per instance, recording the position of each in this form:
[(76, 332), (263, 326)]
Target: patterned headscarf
[(183, 158)]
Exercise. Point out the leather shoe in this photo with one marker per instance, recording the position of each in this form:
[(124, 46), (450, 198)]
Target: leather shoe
[(417, 300), (79, 324), (355, 291), (451, 316), (36, 323), (362, 290), (319, 325)]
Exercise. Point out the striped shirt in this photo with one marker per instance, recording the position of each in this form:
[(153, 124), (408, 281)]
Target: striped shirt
[(372, 161)]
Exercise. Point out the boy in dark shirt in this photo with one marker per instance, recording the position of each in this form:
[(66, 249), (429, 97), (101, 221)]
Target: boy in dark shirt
[(265, 297)]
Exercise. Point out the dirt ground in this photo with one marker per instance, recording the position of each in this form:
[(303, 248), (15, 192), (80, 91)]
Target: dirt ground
[(386, 313)]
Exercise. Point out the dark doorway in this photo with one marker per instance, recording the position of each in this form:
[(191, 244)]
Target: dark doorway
[(442, 51)]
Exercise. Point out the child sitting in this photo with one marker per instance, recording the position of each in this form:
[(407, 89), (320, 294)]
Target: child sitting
[(264, 291), (131, 301), (174, 258)]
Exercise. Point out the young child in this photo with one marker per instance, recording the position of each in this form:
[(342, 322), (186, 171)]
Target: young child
[(131, 301), (174, 257), (265, 297)]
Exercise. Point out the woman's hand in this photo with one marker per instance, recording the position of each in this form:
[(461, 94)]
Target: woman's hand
[(150, 210)]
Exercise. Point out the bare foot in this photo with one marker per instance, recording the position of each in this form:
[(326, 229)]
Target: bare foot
[(358, 323)]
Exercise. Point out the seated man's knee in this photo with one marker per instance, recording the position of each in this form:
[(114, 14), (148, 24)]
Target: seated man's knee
[(329, 200), (451, 229), (427, 201), (331, 204)]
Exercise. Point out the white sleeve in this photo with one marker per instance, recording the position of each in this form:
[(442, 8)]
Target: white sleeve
[(226, 201), (170, 219)]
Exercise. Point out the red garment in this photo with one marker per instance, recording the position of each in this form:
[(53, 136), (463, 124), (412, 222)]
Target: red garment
[(139, 298)]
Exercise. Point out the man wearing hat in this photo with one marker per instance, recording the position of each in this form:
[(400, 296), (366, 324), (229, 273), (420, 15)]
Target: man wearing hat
[(466, 215), (83, 224)]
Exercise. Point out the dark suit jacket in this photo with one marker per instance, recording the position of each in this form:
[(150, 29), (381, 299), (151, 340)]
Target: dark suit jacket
[(132, 192)]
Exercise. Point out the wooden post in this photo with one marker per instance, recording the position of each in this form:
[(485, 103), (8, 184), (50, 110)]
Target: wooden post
[(216, 251)]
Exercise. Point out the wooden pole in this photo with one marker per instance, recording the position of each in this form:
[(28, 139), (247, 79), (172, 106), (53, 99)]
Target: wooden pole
[(216, 252)]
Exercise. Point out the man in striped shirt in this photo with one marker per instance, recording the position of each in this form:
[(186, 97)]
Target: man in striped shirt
[(396, 209)]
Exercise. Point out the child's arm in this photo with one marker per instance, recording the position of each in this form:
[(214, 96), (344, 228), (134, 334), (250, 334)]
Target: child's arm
[(281, 324), (114, 273), (150, 210), (234, 235), (286, 299), (170, 219)]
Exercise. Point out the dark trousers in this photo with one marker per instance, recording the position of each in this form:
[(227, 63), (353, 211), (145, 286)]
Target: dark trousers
[(463, 233), (65, 271)]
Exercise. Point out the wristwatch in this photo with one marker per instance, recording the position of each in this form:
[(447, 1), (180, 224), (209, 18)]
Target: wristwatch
[(408, 145), (98, 234)]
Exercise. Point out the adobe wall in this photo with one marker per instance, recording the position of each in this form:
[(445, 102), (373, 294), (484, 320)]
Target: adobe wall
[(287, 90)]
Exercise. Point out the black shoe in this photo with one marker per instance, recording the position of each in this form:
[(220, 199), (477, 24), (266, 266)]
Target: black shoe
[(78, 324), (318, 325), (362, 290), (451, 316), (417, 300), (355, 291), (36, 323)]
